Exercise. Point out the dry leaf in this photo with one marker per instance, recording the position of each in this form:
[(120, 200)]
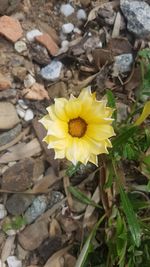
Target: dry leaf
[(46, 182), (119, 45), (41, 133), (21, 151), (102, 57), (55, 229), (117, 25), (90, 209)]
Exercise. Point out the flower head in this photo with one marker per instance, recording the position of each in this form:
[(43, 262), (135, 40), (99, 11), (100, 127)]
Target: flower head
[(79, 128)]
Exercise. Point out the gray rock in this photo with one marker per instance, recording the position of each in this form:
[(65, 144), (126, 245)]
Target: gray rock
[(37, 208), (55, 197), (8, 136), (122, 64), (52, 71), (18, 203), (137, 14)]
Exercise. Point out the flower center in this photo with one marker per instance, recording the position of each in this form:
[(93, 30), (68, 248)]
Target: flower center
[(77, 127)]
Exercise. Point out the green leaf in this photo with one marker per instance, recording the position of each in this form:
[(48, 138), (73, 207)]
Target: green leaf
[(73, 169), (82, 197), (132, 220), (124, 137), (85, 250), (111, 99), (131, 217)]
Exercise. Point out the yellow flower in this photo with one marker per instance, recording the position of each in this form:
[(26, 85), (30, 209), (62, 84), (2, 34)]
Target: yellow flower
[(79, 128)]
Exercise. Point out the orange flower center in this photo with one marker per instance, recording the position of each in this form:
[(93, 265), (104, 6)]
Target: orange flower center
[(77, 127)]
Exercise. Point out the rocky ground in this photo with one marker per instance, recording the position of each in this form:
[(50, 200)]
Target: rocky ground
[(51, 49)]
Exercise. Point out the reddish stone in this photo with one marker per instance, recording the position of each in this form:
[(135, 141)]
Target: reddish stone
[(10, 28), (4, 82), (35, 92), (47, 41)]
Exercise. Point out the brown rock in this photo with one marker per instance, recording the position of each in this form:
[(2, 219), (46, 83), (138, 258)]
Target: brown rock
[(19, 73), (33, 235), (47, 41), (10, 28), (36, 92), (4, 82), (19, 176), (8, 116)]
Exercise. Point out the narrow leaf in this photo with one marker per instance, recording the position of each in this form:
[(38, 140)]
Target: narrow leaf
[(123, 137), (129, 212), (145, 113), (82, 197), (85, 250)]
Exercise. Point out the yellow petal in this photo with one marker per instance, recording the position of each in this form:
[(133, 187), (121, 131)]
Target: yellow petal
[(60, 104), (51, 111), (77, 151), (96, 147), (73, 109), (59, 154), (99, 132), (144, 115), (58, 129), (46, 121), (94, 159)]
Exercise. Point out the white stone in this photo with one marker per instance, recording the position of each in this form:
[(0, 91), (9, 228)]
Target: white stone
[(52, 71), (20, 111), (22, 104), (20, 46), (29, 81), (29, 115), (81, 14), (66, 10), (65, 44), (77, 30), (3, 211), (32, 34), (13, 262), (67, 28)]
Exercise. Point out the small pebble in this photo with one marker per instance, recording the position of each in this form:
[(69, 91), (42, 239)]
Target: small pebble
[(81, 14), (22, 104), (3, 211), (13, 262), (122, 64), (67, 28), (20, 46), (37, 208), (20, 111), (29, 81), (29, 115), (52, 71), (32, 34), (65, 44), (77, 30), (66, 10)]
